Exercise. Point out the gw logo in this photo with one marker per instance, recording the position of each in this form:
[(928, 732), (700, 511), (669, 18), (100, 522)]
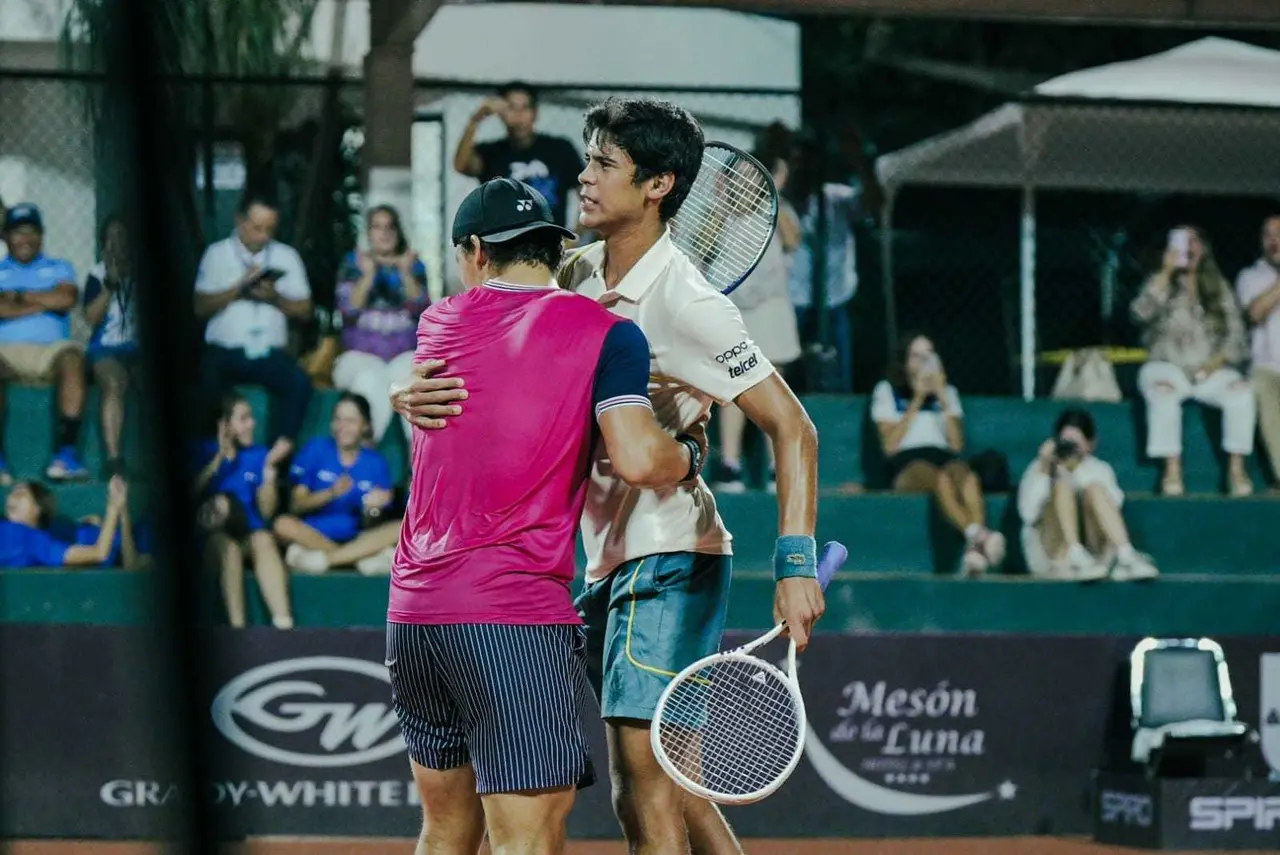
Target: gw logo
[(524, 205), (1214, 813), (1126, 808), (734, 352)]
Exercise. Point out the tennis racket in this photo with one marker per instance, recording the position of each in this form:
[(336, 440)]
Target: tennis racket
[(730, 727), (728, 219)]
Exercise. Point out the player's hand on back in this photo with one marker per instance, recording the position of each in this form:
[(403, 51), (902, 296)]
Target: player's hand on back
[(799, 602), (425, 399)]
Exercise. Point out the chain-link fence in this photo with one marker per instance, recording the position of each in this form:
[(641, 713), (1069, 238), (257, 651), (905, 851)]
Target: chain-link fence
[(300, 139), (1027, 234)]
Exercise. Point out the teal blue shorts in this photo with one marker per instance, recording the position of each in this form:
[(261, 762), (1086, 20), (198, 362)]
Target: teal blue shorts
[(649, 619)]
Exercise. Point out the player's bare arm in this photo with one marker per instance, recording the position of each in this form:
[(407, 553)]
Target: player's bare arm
[(775, 409), (642, 453)]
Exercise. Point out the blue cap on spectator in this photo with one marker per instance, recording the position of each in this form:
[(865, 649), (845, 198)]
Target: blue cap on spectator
[(23, 214)]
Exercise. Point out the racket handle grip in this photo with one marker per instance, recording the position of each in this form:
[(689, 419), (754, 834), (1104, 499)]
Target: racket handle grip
[(833, 557)]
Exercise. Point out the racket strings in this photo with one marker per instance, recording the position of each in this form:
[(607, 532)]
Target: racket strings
[(728, 218), (731, 727)]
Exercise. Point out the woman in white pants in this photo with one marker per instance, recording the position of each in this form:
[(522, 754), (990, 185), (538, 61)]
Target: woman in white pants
[(1195, 336), (381, 293)]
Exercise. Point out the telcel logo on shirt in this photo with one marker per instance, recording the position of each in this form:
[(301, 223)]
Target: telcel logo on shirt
[(744, 366)]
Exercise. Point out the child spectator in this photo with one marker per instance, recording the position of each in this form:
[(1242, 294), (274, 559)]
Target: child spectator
[(25, 541), (1069, 502), (342, 491), (237, 479)]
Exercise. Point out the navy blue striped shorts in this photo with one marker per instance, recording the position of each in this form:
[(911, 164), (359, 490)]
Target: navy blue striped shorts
[(506, 699)]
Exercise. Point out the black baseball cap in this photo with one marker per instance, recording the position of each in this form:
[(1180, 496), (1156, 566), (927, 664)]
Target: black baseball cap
[(23, 214), (502, 209)]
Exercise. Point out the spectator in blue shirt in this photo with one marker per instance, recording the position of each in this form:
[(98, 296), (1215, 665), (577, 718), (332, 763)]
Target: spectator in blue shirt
[(342, 495), (25, 542), (36, 294), (238, 476), (109, 308)]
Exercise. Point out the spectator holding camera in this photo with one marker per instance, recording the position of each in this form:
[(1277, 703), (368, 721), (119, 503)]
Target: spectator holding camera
[(237, 481), (1069, 502), (342, 496), (249, 286), (921, 425), (1195, 338)]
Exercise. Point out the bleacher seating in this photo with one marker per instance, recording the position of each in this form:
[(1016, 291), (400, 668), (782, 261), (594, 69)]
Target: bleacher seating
[(1221, 574)]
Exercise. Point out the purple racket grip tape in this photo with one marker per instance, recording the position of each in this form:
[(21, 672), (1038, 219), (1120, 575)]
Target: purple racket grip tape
[(833, 558)]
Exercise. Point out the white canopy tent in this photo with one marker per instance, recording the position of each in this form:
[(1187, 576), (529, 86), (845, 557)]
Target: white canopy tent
[(1201, 118)]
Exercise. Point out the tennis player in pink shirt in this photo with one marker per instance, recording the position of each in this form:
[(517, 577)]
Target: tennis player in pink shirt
[(484, 646)]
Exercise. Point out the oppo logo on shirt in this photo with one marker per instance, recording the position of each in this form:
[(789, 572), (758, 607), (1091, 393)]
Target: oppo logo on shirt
[(734, 352)]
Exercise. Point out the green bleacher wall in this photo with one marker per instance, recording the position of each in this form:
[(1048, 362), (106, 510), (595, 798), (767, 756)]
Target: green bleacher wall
[(1219, 558)]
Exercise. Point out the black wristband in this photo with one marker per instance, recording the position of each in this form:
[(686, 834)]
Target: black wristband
[(695, 456)]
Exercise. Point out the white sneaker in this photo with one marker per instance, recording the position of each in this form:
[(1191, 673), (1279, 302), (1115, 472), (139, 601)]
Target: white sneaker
[(378, 564), (1137, 567), (1083, 567), (993, 547), (304, 560), (973, 563)]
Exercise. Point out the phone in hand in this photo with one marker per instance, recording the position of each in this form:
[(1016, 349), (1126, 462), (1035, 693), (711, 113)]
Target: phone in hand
[(1180, 245), (1065, 449), (272, 273)]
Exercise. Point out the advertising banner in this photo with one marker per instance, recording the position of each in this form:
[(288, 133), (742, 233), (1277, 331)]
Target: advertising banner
[(1187, 814), (908, 735)]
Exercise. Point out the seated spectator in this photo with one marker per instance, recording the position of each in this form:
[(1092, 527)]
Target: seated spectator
[(237, 481), (113, 346), (921, 428), (249, 286), (1258, 289), (1067, 492), (26, 542), (381, 294), (1195, 338), (36, 295), (132, 547), (341, 490), (771, 323)]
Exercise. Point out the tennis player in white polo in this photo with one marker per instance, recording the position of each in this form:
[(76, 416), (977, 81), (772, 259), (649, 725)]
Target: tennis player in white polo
[(659, 561)]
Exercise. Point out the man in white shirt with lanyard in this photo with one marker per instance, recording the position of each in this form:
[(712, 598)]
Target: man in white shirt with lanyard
[(248, 287), (659, 561)]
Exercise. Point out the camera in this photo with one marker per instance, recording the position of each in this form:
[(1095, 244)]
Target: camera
[(1065, 449)]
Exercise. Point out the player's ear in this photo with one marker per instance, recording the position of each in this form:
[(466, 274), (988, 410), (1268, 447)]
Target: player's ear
[(657, 187)]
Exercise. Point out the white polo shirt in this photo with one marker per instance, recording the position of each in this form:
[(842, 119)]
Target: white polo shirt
[(700, 354), (255, 327)]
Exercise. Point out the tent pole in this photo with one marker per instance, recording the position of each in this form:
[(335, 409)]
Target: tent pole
[(886, 273), (1027, 268)]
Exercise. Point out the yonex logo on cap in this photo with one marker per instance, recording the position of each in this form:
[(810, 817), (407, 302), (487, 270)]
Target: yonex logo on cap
[(524, 205)]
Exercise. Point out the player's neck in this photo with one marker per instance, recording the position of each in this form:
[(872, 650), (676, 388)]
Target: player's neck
[(524, 275), (624, 249)]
